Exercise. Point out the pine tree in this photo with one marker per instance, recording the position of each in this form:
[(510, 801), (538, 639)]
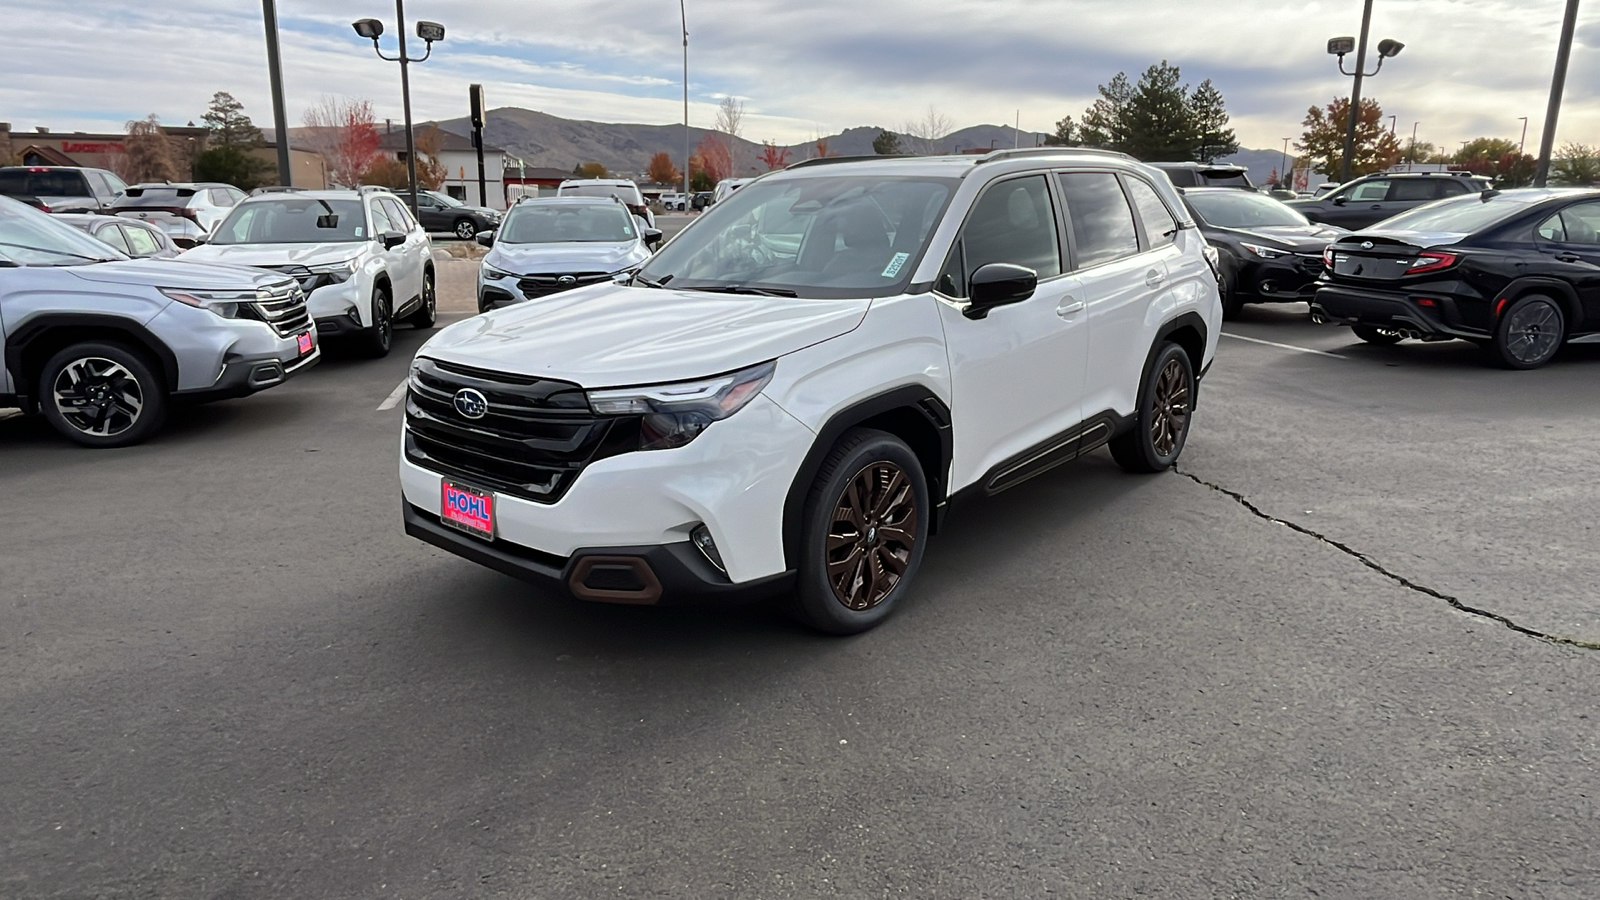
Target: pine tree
[(1209, 118), (887, 143), (229, 126), (1066, 134), (1159, 119), (1103, 124)]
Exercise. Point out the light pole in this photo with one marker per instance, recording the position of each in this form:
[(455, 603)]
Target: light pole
[(1340, 46), (280, 121), (1522, 145), (683, 16), (1557, 84), (429, 32), (1284, 164)]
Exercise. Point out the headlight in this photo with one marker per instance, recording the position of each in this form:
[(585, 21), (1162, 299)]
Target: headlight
[(675, 414), (223, 303), (493, 274), (336, 273), (1264, 252)]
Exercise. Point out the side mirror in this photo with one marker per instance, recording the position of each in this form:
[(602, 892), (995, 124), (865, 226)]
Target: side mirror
[(652, 238), (393, 239), (1340, 201), (998, 284), (485, 238)]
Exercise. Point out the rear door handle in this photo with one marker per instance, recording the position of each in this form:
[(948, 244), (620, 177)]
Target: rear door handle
[(1153, 278), (1069, 307), (1569, 257)]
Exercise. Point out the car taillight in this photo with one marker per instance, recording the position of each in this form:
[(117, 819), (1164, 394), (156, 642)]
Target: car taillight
[(1431, 261), (1327, 257)]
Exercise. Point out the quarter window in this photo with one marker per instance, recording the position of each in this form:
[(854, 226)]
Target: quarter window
[(1102, 222), (1553, 230), (1014, 222), (1159, 226)]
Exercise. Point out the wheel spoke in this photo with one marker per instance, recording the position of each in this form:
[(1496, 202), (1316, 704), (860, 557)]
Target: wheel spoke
[(891, 563), (892, 493)]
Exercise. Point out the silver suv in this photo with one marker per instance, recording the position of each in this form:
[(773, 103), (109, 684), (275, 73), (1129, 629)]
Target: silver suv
[(101, 344)]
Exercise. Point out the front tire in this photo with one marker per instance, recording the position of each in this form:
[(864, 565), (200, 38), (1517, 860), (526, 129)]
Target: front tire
[(465, 229), (1232, 302), (428, 312), (1166, 408), (866, 524), (1529, 334), (376, 339), (102, 395)]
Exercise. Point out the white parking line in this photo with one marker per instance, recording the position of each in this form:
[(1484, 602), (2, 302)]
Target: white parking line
[(393, 400), (1282, 346)]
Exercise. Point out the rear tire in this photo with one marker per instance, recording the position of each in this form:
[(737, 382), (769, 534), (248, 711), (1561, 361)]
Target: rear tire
[(1529, 334), (465, 229), (376, 339), (866, 524), (102, 395), (1166, 409), (428, 312), (1379, 337)]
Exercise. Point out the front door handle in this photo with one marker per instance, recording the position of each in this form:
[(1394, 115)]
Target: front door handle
[(1375, 206), (1569, 257), (1069, 307), (1153, 278)]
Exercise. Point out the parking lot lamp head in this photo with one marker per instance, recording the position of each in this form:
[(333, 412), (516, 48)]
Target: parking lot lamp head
[(433, 31), (1389, 48), (371, 29)]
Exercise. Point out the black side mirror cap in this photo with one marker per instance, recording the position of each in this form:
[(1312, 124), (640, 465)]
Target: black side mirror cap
[(998, 284), (652, 237), (393, 239), (485, 238), (1340, 201)]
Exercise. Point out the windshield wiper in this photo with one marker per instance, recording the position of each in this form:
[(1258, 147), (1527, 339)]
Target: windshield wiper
[(59, 252), (745, 289), (641, 280)]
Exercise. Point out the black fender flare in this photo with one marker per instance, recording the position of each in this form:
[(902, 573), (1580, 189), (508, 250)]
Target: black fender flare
[(18, 342), (1189, 319), (914, 399), (1542, 284)]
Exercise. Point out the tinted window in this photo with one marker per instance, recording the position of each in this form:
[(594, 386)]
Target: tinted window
[(1159, 225), (1413, 189), (141, 242), (1241, 209), (1014, 222), (1102, 223), (49, 183), (157, 197), (1182, 177), (1454, 186), (553, 223), (1369, 191), (292, 220), (1581, 223), (1226, 179)]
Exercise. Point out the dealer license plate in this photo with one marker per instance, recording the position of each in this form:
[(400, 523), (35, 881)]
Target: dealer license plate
[(467, 509), (304, 341)]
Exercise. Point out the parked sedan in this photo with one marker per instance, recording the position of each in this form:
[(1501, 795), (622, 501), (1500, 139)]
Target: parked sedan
[(137, 239), (443, 213), (1269, 253), (1517, 272), (557, 244)]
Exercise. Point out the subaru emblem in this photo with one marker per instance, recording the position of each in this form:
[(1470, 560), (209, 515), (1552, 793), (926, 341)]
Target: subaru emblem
[(566, 279), (471, 404), (1366, 245)]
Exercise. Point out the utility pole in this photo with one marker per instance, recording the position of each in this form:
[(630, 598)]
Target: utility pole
[(1557, 85), (280, 119), (1411, 157), (683, 16), (405, 98), (1522, 144), (1354, 113), (1284, 164)]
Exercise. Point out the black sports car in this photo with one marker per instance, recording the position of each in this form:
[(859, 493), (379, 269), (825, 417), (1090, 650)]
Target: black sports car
[(1517, 272), (1270, 253)]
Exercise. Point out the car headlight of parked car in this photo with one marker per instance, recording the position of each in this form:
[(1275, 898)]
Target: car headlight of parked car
[(675, 414), (336, 273), (490, 273), (1264, 252), (223, 303)]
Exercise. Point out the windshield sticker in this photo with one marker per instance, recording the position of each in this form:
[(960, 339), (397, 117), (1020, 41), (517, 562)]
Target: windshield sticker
[(358, 231), (893, 269)]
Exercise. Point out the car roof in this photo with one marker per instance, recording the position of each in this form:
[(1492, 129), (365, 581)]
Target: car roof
[(569, 201), (329, 194), (605, 181), (1229, 167), (959, 165)]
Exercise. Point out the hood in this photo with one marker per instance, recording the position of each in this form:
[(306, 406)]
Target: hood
[(611, 335), (1309, 238), (544, 259), (276, 254), (1414, 238), (175, 273)]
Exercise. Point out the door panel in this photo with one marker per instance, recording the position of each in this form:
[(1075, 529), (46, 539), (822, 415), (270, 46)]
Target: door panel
[(1576, 254)]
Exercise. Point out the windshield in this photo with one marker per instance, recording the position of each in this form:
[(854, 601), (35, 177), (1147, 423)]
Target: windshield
[(555, 223), (627, 193), (1458, 215), (824, 237), (446, 199), (293, 220), (1239, 209), (31, 238), (48, 183)]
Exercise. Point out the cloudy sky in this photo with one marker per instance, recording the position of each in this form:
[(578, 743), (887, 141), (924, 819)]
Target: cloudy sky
[(805, 67)]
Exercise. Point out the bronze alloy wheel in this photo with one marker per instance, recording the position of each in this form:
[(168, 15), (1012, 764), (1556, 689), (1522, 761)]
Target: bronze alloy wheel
[(872, 535), (1170, 414)]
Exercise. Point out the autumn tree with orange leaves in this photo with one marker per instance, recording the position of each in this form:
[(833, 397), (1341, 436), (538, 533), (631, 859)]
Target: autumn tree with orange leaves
[(662, 171), (773, 156)]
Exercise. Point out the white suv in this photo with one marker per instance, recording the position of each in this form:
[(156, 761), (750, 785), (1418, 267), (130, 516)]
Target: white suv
[(786, 398), (360, 257)]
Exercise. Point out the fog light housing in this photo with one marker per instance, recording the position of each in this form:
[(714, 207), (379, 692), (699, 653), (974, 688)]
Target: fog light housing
[(701, 537)]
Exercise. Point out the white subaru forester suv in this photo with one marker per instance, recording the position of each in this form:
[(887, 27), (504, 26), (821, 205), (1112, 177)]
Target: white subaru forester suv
[(786, 398)]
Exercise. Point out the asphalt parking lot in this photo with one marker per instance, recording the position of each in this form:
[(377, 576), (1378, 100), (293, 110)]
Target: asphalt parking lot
[(1349, 650)]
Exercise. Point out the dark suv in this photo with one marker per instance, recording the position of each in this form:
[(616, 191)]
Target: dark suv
[(61, 188), (1372, 198), (1193, 174)]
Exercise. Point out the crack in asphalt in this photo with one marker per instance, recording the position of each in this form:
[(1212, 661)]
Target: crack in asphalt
[(1401, 580)]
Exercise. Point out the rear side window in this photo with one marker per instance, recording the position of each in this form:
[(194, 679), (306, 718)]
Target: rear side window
[(1454, 186), (1102, 222), (1182, 177), (1413, 189), (1581, 223), (1159, 226), (140, 241), (1014, 222), (49, 183), (112, 234)]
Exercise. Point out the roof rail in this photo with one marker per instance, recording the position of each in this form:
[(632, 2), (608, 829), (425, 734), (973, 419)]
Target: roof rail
[(830, 160), (274, 189), (379, 189), (998, 155)]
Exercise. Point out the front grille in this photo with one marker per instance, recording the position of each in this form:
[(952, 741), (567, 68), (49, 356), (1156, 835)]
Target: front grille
[(536, 437), (284, 310), (535, 286)]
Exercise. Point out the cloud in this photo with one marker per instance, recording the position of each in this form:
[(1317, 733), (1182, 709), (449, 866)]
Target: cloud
[(1470, 67)]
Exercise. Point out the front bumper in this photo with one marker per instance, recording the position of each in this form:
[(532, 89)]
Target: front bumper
[(335, 302), (734, 479), (1282, 280), (244, 375), (1395, 311)]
